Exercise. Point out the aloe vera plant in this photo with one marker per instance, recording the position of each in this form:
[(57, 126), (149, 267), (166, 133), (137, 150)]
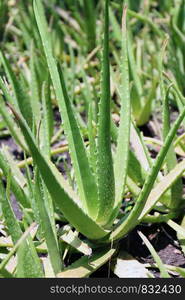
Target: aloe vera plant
[(105, 167)]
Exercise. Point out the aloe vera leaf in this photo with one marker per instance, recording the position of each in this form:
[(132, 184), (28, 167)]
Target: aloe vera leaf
[(123, 140), (60, 191), (147, 107), (85, 266), (163, 271), (122, 151), (28, 262), (131, 221), (139, 148), (50, 236), (47, 125), (17, 174), (105, 172), (132, 187), (84, 176), (138, 163), (48, 270), (16, 246), (49, 207), (85, 181), (72, 73), (22, 100), (14, 130), (138, 101), (18, 191), (34, 86), (33, 202), (135, 169), (47, 131), (71, 238), (163, 185), (171, 159), (136, 141), (92, 141), (11, 221)]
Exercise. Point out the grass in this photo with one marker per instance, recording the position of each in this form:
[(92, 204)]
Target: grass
[(109, 71)]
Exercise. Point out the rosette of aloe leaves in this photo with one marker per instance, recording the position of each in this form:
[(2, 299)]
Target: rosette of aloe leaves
[(108, 163)]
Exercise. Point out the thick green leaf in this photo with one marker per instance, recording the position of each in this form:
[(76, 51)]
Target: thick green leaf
[(60, 191), (85, 266), (85, 181), (129, 222), (15, 248), (171, 159), (71, 238), (50, 236), (166, 182), (28, 262), (92, 141), (105, 172), (122, 151)]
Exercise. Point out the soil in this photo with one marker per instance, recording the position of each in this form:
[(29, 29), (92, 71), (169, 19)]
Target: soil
[(164, 241)]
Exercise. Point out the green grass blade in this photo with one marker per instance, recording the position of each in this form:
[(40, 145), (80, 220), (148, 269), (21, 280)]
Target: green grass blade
[(105, 172), (85, 181)]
